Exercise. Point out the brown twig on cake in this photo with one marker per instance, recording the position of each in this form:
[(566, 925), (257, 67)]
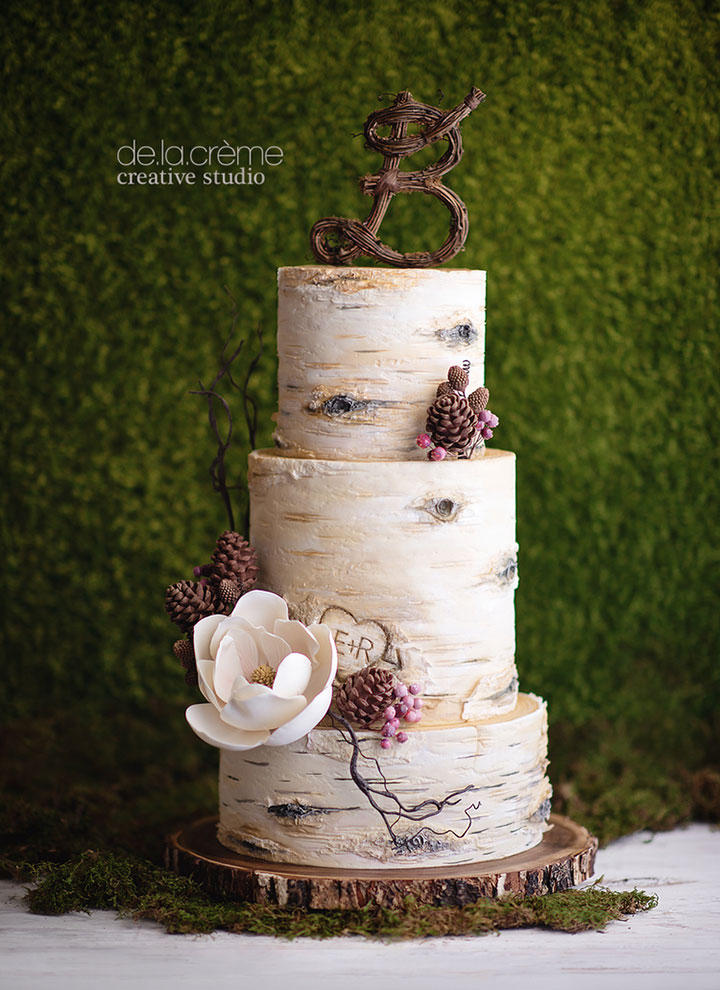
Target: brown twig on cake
[(415, 813), (217, 467), (218, 471), (249, 405)]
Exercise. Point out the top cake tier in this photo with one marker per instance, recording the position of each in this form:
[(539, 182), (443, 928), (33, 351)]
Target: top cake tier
[(362, 351)]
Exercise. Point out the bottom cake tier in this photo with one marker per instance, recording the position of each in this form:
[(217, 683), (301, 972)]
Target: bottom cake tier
[(467, 792)]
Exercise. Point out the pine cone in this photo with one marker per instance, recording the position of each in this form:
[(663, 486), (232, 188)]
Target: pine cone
[(228, 593), (233, 560), (185, 652), (365, 695), (479, 399), (458, 378), (186, 602), (451, 423), (444, 388)]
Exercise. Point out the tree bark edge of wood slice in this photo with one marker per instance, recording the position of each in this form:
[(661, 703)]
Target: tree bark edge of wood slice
[(565, 858)]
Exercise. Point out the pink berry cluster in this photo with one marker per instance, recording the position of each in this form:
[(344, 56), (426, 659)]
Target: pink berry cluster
[(487, 422), (424, 442), (407, 705)]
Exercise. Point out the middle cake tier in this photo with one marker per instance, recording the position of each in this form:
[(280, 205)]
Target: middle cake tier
[(413, 564)]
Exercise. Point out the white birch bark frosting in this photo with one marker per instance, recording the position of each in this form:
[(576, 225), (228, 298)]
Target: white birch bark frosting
[(297, 803), (411, 564), (362, 350)]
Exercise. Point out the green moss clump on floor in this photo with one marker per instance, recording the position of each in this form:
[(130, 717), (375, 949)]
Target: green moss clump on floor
[(140, 890)]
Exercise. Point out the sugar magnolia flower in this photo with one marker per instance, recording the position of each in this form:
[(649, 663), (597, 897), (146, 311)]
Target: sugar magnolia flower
[(267, 678)]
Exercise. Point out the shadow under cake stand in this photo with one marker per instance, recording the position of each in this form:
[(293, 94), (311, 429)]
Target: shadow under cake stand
[(564, 858)]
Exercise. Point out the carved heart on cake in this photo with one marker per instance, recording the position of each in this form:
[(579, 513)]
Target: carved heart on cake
[(359, 642)]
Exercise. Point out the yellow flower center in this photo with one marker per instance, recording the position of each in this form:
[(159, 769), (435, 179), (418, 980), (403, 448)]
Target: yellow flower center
[(264, 674)]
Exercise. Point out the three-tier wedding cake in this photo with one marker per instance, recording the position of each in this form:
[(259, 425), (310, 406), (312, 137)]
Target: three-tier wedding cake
[(410, 563)]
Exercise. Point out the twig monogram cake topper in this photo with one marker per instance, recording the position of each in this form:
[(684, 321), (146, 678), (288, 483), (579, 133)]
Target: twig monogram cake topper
[(354, 239)]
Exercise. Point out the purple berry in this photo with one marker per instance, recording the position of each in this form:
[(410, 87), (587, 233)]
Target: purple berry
[(414, 689), (402, 710), (487, 433), (424, 441), (484, 415), (395, 722), (401, 690), (493, 421), (389, 713), (412, 716), (385, 743), (418, 703), (439, 454), (197, 571), (402, 737), (389, 729)]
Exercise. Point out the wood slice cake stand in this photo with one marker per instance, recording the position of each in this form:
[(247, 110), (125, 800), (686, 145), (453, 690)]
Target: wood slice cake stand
[(564, 858)]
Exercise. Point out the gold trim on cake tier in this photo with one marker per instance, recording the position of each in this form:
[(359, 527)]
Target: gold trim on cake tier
[(412, 564), (298, 803)]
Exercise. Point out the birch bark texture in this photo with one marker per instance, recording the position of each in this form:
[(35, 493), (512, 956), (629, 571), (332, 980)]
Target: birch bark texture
[(361, 352), (412, 564), (298, 804)]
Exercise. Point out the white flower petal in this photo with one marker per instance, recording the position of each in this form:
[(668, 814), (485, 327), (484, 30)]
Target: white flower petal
[(299, 726), (256, 706), (227, 668), (325, 663), (203, 632), (206, 723), (262, 608), (292, 675), (297, 636), (222, 630), (273, 649), (246, 645), (206, 672)]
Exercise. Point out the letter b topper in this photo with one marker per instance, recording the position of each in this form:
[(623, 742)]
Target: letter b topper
[(353, 239)]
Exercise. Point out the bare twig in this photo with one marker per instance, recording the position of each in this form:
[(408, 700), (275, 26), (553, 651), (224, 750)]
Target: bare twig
[(399, 811), (217, 467), (224, 437)]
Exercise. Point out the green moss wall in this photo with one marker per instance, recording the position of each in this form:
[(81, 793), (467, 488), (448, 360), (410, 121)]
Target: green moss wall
[(591, 178)]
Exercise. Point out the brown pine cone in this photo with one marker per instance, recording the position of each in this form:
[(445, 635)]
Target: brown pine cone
[(451, 423), (233, 560), (186, 602), (185, 652), (228, 593), (478, 399), (365, 695), (444, 388), (458, 378)]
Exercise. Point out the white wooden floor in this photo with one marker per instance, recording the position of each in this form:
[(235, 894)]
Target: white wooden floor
[(676, 946)]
